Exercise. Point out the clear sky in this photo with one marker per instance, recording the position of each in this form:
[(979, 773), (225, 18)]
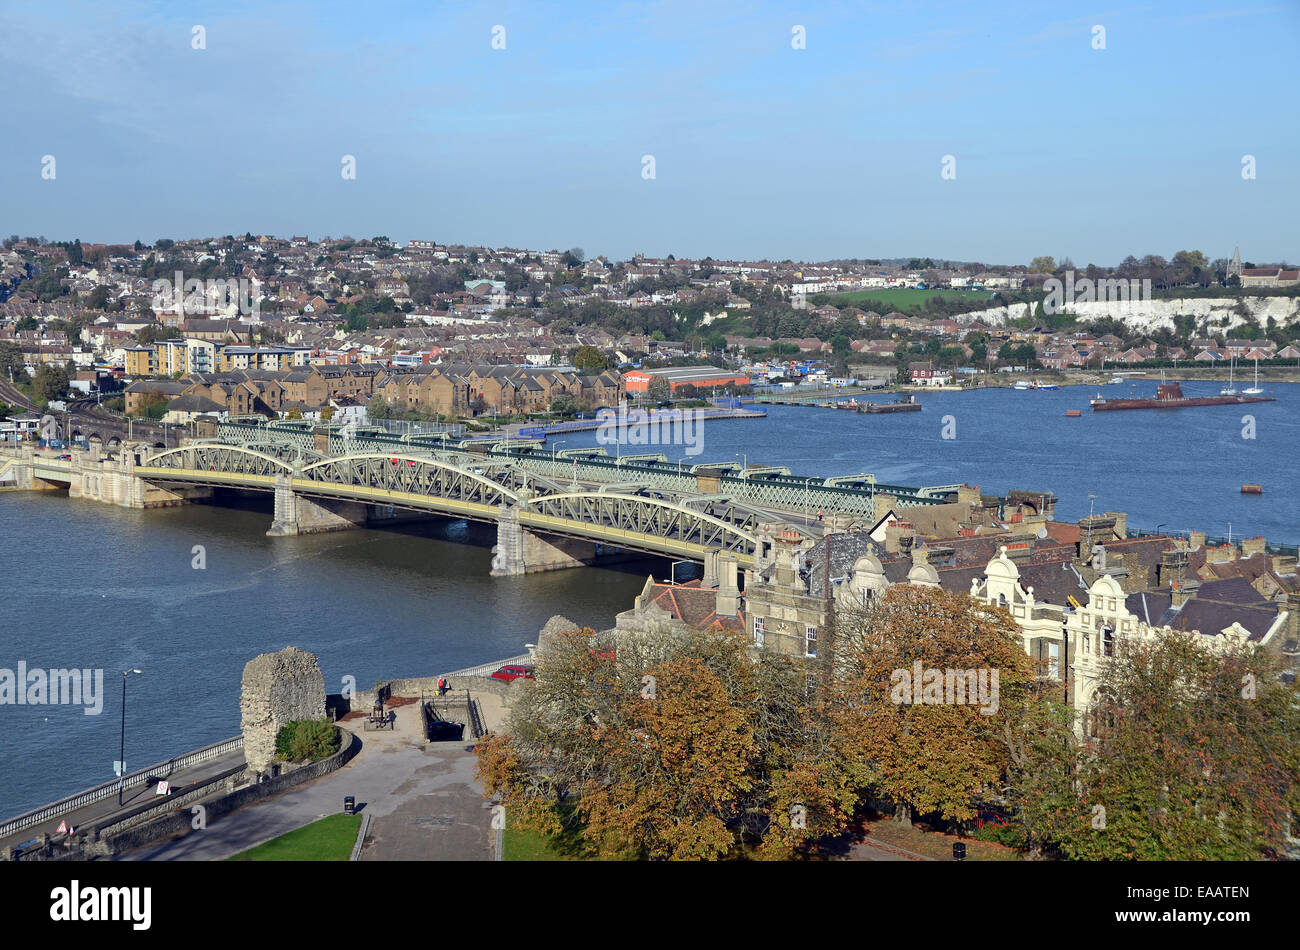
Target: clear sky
[(760, 149)]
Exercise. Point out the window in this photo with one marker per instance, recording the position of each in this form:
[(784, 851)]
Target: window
[(1108, 642), (758, 631), (1053, 659), (810, 640)]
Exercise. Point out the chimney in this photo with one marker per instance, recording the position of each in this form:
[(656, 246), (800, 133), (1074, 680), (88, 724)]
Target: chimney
[(1170, 562), (710, 578), (1184, 591), (1225, 552), (899, 536), (1253, 546), (785, 559), (1121, 523), (969, 495), (728, 601), (1284, 564), (1197, 539)]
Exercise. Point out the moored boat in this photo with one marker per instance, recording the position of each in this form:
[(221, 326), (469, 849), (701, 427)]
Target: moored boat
[(1170, 396)]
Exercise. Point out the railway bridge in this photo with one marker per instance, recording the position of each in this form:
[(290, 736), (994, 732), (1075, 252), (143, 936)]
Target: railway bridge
[(541, 524)]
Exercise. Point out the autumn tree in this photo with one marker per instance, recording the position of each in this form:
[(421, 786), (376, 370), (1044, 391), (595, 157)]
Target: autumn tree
[(678, 747), (928, 744)]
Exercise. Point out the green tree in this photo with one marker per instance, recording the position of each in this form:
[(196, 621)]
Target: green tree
[(589, 358), (658, 390), (51, 381), (1189, 753), (11, 361)]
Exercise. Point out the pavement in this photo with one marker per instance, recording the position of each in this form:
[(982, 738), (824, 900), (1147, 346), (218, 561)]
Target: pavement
[(133, 797), (423, 801)]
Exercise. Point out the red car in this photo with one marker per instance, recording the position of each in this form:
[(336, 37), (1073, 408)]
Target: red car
[(509, 673)]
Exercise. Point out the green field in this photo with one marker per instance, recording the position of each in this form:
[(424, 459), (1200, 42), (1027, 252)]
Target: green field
[(906, 299), (329, 839)]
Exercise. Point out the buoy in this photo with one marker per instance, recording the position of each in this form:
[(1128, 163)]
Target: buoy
[(1252, 490), (1074, 413)]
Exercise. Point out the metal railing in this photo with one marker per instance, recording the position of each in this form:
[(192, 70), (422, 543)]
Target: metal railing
[(487, 669), (108, 789)]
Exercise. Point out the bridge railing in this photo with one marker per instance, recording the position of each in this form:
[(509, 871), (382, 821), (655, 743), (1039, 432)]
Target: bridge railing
[(108, 789)]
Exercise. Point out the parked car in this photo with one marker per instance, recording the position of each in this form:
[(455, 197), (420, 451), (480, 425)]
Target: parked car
[(511, 673)]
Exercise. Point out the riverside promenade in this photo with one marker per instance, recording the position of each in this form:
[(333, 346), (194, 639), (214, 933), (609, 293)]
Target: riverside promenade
[(422, 799), (100, 803)]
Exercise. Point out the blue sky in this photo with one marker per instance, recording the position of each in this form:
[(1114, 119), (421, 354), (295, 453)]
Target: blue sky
[(760, 150)]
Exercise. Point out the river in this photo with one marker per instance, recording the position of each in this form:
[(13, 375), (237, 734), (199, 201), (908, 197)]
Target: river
[(94, 586)]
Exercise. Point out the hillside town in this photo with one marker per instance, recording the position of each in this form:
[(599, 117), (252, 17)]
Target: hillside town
[(371, 328)]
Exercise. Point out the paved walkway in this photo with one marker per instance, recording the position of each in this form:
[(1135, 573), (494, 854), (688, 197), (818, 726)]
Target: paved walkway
[(423, 802), (133, 798)]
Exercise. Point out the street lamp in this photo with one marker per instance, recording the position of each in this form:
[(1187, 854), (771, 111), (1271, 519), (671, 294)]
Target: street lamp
[(744, 459), (554, 446), (121, 762), (672, 571)]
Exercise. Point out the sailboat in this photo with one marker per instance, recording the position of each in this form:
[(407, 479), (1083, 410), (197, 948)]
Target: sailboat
[(1254, 390), (1229, 390)]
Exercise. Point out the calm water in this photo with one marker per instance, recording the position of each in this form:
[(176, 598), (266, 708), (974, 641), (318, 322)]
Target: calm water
[(96, 586), (91, 585), (1183, 468)]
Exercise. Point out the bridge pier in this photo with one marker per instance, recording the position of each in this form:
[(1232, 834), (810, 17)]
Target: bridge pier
[(519, 551), (296, 515)]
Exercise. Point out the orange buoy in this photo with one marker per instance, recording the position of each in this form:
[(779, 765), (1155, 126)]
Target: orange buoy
[(1252, 490)]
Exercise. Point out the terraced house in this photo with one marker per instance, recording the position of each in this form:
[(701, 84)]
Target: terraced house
[(459, 388)]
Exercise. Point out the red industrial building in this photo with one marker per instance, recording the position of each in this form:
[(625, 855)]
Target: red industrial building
[(701, 377)]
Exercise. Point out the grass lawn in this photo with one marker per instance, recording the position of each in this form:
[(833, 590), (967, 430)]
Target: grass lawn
[(908, 299), (524, 844), (329, 839)]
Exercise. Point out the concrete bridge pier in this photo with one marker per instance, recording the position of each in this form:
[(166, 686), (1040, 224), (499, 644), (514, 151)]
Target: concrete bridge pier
[(519, 551), (296, 515)]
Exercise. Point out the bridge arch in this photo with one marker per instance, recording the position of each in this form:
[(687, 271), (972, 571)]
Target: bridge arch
[(229, 459), (410, 474)]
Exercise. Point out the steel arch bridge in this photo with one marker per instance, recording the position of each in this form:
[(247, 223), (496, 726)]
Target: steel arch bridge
[(483, 493), (610, 516)]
